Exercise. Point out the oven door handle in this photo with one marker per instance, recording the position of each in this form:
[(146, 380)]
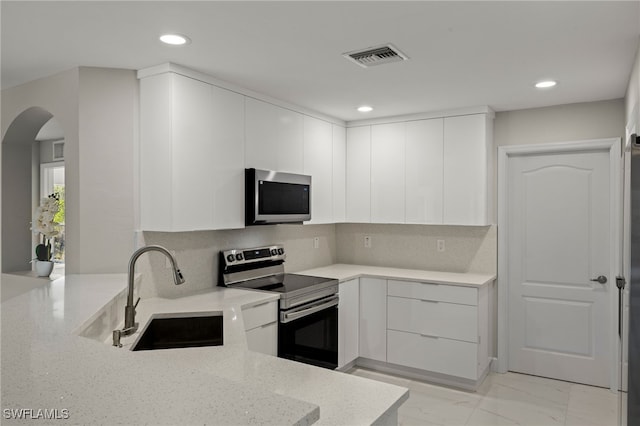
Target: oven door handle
[(286, 317)]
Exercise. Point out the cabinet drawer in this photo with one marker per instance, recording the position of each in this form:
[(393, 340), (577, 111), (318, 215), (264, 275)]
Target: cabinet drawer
[(260, 314), (437, 319), (439, 355), (264, 339), (435, 292)]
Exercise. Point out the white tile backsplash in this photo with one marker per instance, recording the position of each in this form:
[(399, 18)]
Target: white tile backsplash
[(467, 249), (197, 254)]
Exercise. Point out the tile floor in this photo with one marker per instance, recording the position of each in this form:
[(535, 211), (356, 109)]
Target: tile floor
[(504, 399)]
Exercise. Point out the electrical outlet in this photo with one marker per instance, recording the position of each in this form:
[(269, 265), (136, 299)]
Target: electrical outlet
[(440, 245), (316, 242), (167, 262), (367, 241)]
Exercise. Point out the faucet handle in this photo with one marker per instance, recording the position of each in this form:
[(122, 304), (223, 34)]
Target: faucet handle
[(117, 334), (136, 304)]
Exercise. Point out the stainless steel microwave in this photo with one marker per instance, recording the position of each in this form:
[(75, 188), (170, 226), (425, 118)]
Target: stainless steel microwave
[(275, 197)]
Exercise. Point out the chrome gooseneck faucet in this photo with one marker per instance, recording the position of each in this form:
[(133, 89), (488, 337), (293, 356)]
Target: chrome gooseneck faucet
[(130, 324)]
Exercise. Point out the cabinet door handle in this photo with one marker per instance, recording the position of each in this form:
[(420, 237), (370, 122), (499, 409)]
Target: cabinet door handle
[(430, 336)]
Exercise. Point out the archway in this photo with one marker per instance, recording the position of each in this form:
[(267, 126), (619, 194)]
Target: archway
[(20, 187)]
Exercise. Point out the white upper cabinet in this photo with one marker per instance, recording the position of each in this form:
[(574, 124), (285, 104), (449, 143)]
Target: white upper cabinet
[(388, 173), (156, 146), (339, 173), (227, 162), (358, 174), (274, 137), (430, 171), (191, 155), (193, 149), (467, 156), (318, 161), (423, 171)]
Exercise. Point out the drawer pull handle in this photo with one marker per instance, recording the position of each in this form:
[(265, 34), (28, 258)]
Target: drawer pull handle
[(429, 301), (260, 304), (430, 336)]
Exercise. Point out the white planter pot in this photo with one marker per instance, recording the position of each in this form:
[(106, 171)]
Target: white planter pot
[(44, 268)]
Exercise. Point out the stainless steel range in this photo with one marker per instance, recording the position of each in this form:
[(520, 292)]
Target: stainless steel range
[(308, 312)]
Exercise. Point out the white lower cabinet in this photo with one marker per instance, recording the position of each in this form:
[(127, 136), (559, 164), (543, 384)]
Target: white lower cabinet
[(348, 322), (438, 328), (264, 339), (373, 318), (439, 331), (433, 318), (434, 354), (261, 327)]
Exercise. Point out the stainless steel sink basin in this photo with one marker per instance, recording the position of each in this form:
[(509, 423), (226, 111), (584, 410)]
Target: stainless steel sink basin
[(181, 330)]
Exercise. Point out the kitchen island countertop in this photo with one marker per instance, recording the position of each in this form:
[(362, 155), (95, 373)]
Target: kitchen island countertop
[(47, 365)]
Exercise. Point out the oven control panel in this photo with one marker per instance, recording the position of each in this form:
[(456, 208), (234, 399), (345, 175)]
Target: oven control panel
[(252, 255)]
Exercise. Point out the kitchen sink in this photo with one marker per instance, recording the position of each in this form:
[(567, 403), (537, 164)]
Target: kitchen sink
[(181, 330)]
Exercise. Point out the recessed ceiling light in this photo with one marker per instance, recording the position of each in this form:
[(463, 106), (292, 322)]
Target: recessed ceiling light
[(174, 39), (545, 84), (365, 108)]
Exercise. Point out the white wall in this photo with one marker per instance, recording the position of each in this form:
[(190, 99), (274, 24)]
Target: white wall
[(573, 122), (108, 117), (97, 110), (58, 96), (632, 99)]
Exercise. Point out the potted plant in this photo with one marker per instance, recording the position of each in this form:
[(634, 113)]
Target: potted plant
[(45, 225)]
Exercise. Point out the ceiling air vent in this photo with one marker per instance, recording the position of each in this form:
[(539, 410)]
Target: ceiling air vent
[(376, 56)]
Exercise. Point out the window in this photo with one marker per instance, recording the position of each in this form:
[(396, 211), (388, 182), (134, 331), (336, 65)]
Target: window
[(52, 181)]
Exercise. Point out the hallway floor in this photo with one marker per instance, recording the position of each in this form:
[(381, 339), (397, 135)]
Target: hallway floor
[(504, 399)]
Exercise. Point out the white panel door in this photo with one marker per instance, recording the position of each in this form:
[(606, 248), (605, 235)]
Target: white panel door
[(373, 318), (318, 159), (339, 173), (348, 322), (558, 239), (387, 173), (423, 171), (359, 174), (466, 159)]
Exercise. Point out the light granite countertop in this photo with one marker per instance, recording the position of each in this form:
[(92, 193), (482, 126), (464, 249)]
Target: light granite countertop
[(345, 272), (47, 365)]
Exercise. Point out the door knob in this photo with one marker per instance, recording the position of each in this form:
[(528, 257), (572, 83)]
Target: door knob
[(601, 279)]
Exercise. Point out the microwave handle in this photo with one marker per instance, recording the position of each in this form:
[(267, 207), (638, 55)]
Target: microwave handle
[(286, 317)]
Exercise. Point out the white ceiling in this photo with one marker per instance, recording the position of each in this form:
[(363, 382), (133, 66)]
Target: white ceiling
[(462, 53)]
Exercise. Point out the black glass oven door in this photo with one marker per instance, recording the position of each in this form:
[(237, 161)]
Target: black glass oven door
[(310, 338)]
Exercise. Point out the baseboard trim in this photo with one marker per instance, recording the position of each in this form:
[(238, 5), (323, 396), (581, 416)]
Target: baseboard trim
[(427, 376)]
